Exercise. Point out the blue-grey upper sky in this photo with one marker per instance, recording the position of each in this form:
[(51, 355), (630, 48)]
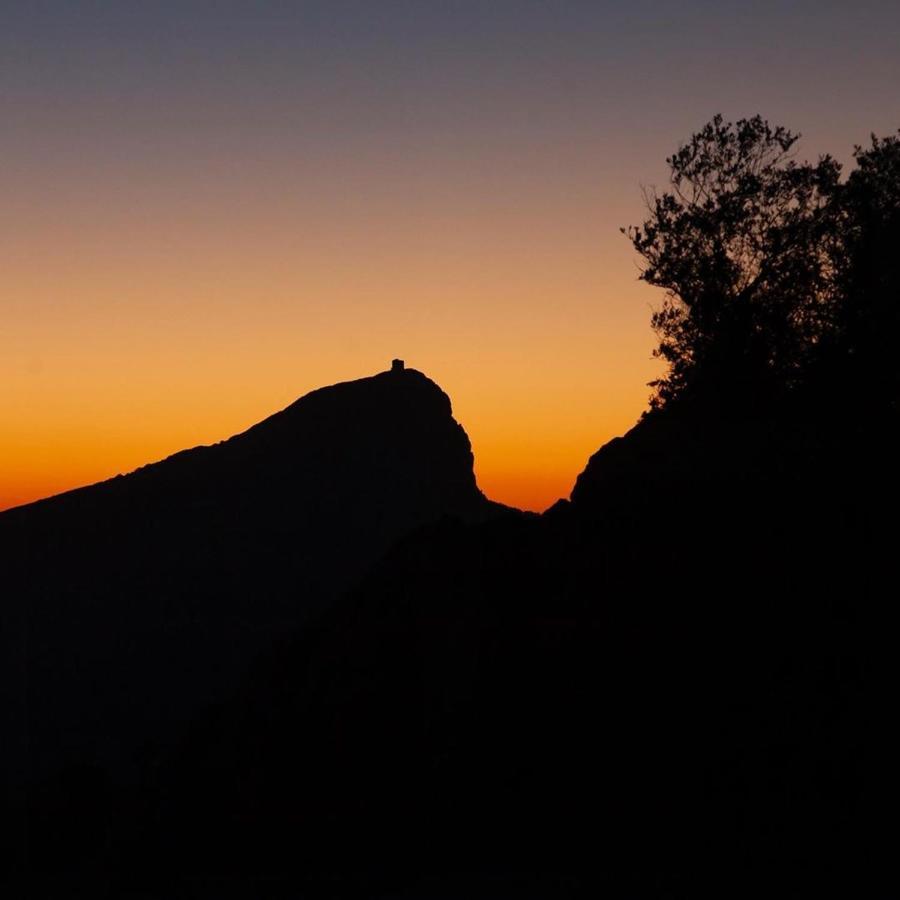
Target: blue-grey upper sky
[(151, 73)]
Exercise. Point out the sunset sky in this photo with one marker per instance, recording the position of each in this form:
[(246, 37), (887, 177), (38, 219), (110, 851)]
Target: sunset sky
[(211, 208)]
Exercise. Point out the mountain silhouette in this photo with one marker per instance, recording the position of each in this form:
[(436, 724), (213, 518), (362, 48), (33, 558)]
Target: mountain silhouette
[(133, 604), (679, 679), (589, 701)]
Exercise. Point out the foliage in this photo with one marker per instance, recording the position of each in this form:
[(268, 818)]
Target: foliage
[(753, 250), (867, 317)]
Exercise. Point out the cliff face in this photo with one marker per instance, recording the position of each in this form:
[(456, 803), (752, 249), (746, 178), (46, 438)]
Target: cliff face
[(132, 603), (388, 441)]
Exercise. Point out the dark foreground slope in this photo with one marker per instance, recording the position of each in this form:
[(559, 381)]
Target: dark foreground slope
[(682, 683), (131, 605)]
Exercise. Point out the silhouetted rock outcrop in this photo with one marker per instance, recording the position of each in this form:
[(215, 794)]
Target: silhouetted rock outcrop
[(132, 605)]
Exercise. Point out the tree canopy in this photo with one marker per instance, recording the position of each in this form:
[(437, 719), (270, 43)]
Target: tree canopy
[(779, 276)]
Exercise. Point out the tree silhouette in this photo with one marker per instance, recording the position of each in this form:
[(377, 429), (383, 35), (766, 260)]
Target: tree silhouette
[(863, 354), (740, 243)]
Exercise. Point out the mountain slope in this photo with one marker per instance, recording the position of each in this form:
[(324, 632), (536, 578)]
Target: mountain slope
[(674, 684), (133, 603)]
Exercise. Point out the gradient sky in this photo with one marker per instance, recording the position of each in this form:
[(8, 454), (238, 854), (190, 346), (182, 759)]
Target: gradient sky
[(211, 208)]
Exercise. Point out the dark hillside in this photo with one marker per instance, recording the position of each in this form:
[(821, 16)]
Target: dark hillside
[(674, 683), (132, 605)]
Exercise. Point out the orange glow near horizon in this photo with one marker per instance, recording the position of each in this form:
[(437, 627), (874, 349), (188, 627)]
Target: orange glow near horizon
[(118, 361), (207, 216), (154, 314), (132, 337)]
